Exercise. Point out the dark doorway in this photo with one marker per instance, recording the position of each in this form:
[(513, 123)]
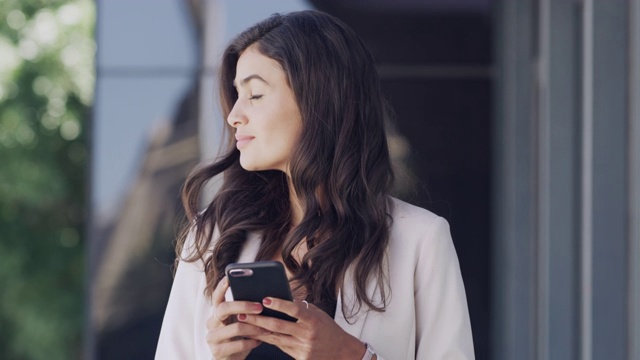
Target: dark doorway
[(435, 62)]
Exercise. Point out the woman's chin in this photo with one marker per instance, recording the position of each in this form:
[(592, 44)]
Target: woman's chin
[(250, 165)]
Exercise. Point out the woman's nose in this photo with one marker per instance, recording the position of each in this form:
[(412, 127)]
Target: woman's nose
[(236, 116)]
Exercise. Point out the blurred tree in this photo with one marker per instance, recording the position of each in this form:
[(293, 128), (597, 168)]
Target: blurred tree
[(46, 87)]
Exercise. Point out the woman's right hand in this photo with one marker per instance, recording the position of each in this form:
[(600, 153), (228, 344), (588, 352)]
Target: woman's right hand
[(228, 340)]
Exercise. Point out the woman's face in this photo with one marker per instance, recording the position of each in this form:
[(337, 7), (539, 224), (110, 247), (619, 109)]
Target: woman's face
[(266, 117)]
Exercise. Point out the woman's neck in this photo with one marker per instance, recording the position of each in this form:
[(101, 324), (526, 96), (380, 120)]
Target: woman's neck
[(296, 208)]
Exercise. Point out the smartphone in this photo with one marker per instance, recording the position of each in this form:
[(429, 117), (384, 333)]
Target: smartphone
[(257, 280)]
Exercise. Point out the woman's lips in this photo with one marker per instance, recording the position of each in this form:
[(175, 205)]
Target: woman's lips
[(243, 140)]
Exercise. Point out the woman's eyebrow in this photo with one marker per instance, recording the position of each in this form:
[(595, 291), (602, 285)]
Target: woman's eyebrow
[(244, 81)]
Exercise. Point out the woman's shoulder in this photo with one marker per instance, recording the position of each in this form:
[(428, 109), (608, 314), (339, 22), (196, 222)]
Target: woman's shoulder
[(418, 237), (410, 216), (416, 229)]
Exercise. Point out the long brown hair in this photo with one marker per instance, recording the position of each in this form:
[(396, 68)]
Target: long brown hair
[(340, 169)]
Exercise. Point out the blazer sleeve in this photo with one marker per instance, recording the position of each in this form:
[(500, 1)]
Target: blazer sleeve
[(443, 327), (176, 339)]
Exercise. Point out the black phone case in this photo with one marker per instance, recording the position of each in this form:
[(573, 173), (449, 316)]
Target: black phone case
[(268, 279)]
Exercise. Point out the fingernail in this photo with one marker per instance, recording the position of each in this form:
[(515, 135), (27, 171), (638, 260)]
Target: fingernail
[(256, 307), (266, 301), (242, 317)]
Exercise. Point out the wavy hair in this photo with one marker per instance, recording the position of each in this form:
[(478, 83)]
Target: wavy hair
[(340, 169)]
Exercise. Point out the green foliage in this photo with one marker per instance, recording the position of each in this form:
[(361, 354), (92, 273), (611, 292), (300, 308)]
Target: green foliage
[(46, 85)]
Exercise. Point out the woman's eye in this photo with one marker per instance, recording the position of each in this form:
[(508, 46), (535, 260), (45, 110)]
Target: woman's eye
[(255, 97)]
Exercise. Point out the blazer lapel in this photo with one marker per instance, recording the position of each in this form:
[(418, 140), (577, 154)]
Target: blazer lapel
[(352, 323)]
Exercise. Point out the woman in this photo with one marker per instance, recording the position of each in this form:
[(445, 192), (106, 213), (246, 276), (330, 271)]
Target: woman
[(306, 181)]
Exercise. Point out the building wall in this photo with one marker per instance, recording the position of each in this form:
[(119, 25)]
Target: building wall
[(566, 239)]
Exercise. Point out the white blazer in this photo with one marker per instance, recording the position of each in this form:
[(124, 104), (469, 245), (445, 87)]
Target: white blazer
[(426, 316)]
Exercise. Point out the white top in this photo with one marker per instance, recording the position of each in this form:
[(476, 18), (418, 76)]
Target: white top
[(426, 316)]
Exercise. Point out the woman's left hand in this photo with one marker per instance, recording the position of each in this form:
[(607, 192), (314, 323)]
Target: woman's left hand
[(314, 336)]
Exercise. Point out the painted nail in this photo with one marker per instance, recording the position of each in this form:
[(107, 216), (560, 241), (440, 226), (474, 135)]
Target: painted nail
[(266, 301), (256, 307), (242, 317)]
